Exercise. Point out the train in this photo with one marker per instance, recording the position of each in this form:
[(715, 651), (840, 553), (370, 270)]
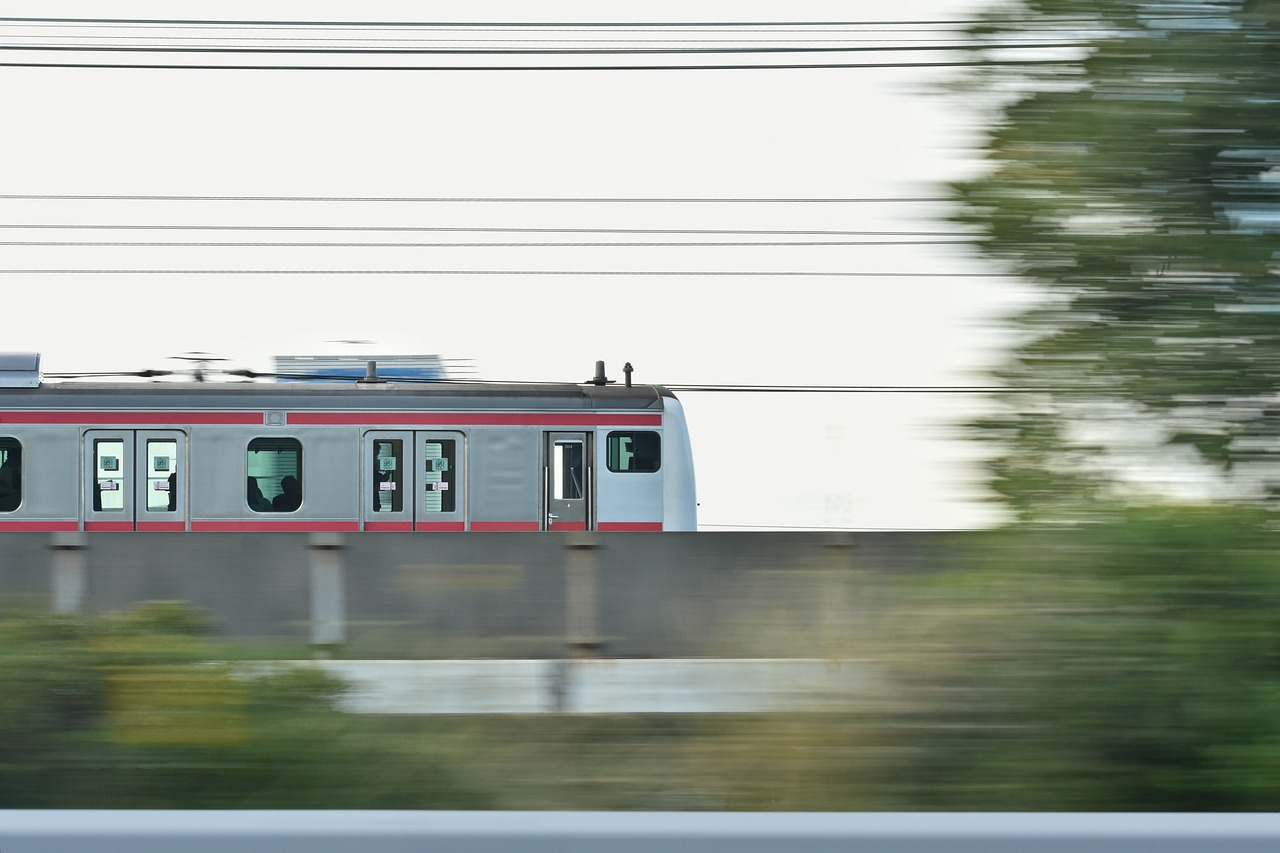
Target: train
[(370, 455)]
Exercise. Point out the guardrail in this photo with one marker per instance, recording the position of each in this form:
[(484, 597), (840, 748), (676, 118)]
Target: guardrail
[(630, 832)]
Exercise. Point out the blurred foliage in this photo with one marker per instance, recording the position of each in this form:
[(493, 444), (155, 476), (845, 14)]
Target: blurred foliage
[(134, 710), (1133, 665), (1134, 180)]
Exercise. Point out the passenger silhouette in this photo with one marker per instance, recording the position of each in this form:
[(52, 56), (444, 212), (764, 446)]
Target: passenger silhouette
[(257, 501), (290, 497)]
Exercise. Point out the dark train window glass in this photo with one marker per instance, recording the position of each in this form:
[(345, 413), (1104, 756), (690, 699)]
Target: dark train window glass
[(162, 475), (274, 467), (633, 451), (439, 472), (388, 475), (10, 474), (566, 471), (108, 477)]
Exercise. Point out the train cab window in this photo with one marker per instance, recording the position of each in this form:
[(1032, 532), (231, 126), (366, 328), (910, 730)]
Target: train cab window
[(108, 477), (388, 475), (633, 451), (10, 474), (439, 470), (274, 467), (162, 475)]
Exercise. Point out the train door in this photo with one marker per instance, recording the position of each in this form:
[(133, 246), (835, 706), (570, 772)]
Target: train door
[(567, 477), (135, 480), (414, 481)]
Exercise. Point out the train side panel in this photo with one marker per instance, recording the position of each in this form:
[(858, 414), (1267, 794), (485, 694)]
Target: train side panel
[(50, 478), (506, 479)]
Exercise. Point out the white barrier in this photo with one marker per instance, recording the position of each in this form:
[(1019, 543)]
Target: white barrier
[(597, 686), (630, 832)]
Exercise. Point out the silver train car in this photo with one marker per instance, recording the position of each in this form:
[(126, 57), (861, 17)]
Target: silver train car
[(372, 456)]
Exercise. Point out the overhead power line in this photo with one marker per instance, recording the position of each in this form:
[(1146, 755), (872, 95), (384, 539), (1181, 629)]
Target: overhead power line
[(956, 22), (655, 273), (488, 199), (209, 244), (841, 389), (524, 51), (460, 229), (139, 66)]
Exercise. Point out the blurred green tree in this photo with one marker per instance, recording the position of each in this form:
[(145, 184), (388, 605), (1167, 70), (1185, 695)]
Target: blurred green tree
[(1134, 181), (1130, 666)]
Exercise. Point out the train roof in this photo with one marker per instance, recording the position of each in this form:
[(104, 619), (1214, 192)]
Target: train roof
[(388, 395)]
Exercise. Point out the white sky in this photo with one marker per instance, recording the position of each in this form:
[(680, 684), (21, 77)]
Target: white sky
[(865, 461)]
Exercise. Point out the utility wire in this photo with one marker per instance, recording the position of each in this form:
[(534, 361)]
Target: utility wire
[(196, 22), (486, 200), (137, 66), (428, 228), (843, 389), (424, 272), (534, 245), (606, 51)]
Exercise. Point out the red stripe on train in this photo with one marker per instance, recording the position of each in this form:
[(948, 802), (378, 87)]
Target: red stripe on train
[(162, 526), (504, 526), (130, 418), (275, 526), (426, 419), (630, 526), (388, 526), (109, 526)]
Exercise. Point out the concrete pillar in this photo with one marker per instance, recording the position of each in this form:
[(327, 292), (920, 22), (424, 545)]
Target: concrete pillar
[(328, 593), (68, 572), (582, 598)]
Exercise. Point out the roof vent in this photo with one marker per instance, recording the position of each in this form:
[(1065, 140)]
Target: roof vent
[(19, 370)]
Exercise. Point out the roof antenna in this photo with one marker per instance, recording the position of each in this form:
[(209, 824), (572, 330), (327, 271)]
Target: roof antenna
[(370, 373), (599, 378), (627, 368)]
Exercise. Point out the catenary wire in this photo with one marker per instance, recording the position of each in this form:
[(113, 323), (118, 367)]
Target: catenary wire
[(573, 25), (532, 51), (823, 66), (208, 244), (489, 199), (426, 272), (430, 228)]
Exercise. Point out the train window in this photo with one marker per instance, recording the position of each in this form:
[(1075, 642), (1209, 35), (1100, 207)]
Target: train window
[(108, 478), (388, 475), (10, 474), (566, 473), (162, 475), (633, 451), (438, 474), (274, 468)]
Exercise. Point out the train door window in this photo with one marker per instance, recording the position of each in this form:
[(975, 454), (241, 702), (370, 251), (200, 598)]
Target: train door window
[(566, 470), (388, 475), (633, 451), (439, 471), (109, 472), (162, 475), (10, 474), (274, 467)]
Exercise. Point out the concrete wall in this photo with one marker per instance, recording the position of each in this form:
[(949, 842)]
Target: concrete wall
[(492, 595)]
